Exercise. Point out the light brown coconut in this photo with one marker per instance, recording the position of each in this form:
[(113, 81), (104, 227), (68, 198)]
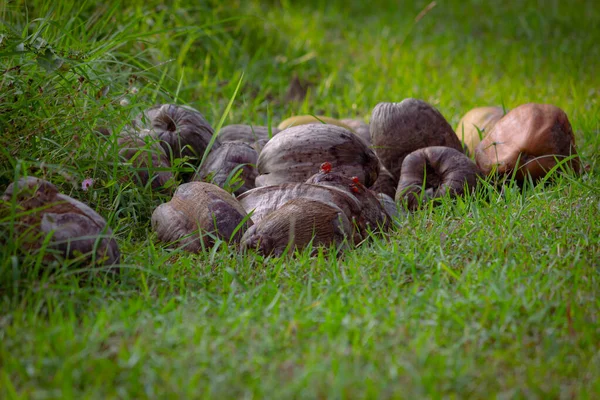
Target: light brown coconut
[(529, 139), (298, 223), (299, 120), (434, 172), (476, 123), (183, 131), (197, 212), (296, 153), (398, 129), (255, 136), (147, 157), (75, 229), (224, 162)]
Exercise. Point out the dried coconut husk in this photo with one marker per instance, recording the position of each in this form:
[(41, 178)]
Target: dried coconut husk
[(360, 127), (196, 214), (255, 136), (182, 131), (372, 214), (264, 200), (297, 224), (147, 157), (398, 129), (223, 163), (296, 153), (435, 172), (385, 183), (76, 231)]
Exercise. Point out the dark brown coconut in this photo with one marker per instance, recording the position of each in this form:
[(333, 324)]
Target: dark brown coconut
[(398, 129), (359, 127), (296, 153), (255, 136), (298, 223), (530, 138), (385, 183), (76, 230), (390, 206), (439, 171), (372, 215), (183, 131), (197, 212), (224, 162), (147, 157), (477, 123)]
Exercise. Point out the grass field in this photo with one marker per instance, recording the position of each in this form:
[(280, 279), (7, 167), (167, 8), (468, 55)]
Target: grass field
[(495, 295)]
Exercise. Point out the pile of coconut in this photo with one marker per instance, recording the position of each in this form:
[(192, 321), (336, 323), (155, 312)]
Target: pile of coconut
[(310, 182)]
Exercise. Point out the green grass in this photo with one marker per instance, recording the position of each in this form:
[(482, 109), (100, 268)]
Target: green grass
[(495, 295)]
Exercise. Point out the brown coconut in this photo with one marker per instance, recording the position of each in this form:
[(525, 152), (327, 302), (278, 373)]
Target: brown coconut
[(147, 157), (390, 206), (183, 131), (372, 215), (476, 123), (223, 163), (398, 129), (530, 139), (197, 212), (385, 183), (360, 127), (264, 200), (75, 229), (298, 223), (434, 172), (296, 153), (255, 136)]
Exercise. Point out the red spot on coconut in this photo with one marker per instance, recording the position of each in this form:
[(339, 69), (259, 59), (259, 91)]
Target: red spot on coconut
[(355, 179), (326, 167)]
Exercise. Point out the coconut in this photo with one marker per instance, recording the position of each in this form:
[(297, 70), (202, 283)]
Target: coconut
[(198, 213), (398, 129), (435, 172), (297, 224), (296, 153), (75, 230), (530, 139)]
